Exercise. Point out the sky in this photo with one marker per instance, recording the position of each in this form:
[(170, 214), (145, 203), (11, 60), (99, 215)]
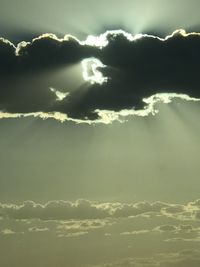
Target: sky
[(99, 133)]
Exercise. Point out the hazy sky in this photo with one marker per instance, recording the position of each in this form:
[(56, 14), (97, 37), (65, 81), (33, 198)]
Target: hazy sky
[(21, 18), (99, 140)]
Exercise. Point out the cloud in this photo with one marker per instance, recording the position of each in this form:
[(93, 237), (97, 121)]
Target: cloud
[(73, 228), (88, 210), (182, 232), (83, 225), (7, 56), (48, 50), (76, 234), (182, 258), (166, 228), (60, 95), (138, 232), (181, 239), (8, 231), (37, 229), (53, 210), (125, 75)]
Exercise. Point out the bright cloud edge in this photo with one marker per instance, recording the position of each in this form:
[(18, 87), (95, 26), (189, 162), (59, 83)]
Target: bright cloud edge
[(107, 116)]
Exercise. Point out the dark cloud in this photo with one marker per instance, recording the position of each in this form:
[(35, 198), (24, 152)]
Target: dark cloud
[(136, 69), (7, 56), (48, 50)]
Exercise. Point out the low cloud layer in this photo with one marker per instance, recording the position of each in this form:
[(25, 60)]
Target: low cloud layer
[(170, 232), (85, 209), (182, 258), (122, 71)]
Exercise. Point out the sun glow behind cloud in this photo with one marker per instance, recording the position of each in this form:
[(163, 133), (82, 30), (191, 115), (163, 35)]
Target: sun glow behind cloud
[(92, 75), (90, 71)]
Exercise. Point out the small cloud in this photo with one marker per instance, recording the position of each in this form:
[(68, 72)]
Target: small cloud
[(76, 234), (60, 95), (166, 228), (138, 232), (8, 231), (108, 234), (37, 229)]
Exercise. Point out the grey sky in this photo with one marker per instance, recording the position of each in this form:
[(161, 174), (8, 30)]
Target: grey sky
[(153, 158), (24, 18)]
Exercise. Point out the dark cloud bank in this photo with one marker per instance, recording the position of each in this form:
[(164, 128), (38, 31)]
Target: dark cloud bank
[(136, 69)]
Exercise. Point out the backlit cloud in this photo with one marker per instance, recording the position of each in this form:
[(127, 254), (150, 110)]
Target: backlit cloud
[(123, 75), (85, 209)]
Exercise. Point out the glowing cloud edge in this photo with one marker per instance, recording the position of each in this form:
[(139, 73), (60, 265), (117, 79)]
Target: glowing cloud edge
[(97, 41), (107, 116)]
